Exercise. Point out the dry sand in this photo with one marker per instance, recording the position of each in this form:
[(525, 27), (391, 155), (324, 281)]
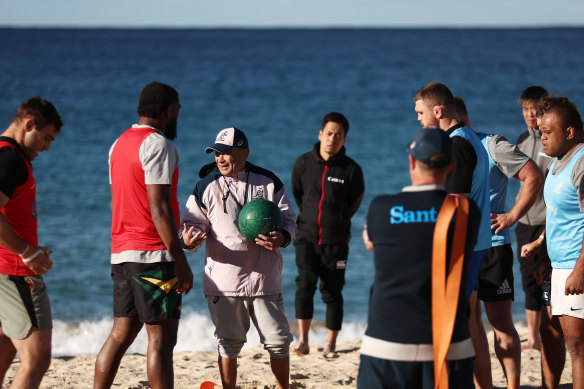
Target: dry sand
[(310, 371)]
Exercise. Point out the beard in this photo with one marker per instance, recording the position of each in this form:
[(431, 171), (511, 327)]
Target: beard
[(171, 129)]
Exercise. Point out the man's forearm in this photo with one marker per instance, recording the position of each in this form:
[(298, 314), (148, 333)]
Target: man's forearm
[(354, 206), (9, 239), (163, 218), (531, 187)]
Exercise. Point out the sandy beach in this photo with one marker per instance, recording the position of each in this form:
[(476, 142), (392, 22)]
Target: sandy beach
[(310, 371)]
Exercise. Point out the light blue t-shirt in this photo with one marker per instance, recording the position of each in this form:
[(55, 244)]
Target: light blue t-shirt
[(564, 223)]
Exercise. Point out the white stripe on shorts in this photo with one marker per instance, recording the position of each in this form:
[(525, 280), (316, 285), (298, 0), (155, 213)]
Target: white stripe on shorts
[(393, 351)]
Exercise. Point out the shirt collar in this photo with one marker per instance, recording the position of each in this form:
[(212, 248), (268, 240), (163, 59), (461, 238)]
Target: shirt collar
[(421, 188)]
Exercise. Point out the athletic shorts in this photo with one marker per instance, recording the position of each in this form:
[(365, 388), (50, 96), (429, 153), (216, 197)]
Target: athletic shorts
[(231, 316), (146, 290), (387, 374), (546, 293), (496, 274), (572, 305), (24, 303), (533, 292), (473, 271)]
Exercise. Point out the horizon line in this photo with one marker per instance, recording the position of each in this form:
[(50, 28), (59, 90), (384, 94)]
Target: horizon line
[(292, 27)]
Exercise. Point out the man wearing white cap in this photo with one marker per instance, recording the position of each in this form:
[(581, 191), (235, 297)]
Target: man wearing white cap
[(242, 279)]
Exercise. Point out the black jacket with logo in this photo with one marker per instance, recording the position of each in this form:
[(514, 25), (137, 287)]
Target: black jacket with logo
[(328, 193)]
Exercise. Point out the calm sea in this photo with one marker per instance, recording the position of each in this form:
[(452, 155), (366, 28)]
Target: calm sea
[(275, 85)]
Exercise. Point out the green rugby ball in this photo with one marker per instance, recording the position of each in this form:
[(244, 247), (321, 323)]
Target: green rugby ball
[(259, 216)]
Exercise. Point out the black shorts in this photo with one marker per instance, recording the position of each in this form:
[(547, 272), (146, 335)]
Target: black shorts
[(546, 296), (533, 292), (146, 290), (496, 274)]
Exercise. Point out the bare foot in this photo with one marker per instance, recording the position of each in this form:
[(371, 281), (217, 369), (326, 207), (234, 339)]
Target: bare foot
[(329, 347), (301, 349)]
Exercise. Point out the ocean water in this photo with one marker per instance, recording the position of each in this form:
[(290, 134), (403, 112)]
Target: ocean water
[(273, 84)]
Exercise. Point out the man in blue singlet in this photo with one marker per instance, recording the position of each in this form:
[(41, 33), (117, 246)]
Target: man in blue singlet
[(562, 138), (496, 283), (470, 177)]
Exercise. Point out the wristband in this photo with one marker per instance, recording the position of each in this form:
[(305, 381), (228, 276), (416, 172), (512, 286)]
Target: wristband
[(542, 239), (28, 259), (24, 251)]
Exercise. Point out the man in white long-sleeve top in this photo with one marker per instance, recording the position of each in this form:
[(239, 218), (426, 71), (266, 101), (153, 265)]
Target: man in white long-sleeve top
[(242, 279)]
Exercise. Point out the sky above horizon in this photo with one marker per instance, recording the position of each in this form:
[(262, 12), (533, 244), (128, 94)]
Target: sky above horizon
[(291, 13)]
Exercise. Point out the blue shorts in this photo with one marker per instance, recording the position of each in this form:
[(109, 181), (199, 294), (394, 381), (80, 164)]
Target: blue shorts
[(386, 374)]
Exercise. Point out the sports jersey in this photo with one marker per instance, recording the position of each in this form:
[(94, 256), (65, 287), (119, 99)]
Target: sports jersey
[(400, 306), (564, 216), (20, 211), (466, 142), (140, 156), (505, 161)]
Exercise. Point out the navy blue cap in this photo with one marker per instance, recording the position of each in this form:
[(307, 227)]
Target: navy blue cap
[(429, 142), (227, 140)]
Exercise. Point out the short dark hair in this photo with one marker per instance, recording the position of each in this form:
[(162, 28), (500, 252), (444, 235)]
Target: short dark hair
[(43, 112), (460, 107), (566, 111), (533, 93), (155, 98), (435, 93), (437, 163), (336, 117)]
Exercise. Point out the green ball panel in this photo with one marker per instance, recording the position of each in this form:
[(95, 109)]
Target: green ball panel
[(259, 217)]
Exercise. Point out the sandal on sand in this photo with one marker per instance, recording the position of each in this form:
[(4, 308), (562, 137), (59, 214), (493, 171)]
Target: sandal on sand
[(329, 347)]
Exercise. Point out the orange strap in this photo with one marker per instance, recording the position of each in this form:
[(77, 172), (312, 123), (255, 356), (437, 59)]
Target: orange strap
[(446, 284)]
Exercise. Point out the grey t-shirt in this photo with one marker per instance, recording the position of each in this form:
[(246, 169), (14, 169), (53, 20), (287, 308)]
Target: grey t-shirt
[(507, 156), (529, 142)]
